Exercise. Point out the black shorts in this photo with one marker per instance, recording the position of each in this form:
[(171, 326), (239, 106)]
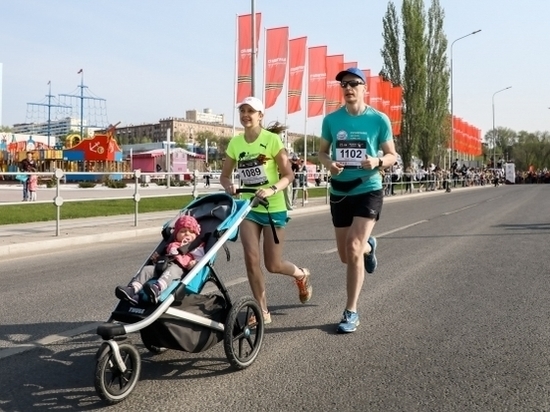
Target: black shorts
[(344, 208)]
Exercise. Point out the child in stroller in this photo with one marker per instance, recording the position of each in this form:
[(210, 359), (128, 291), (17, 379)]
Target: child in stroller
[(166, 265)]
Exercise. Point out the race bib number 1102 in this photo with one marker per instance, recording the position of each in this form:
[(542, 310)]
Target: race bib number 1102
[(350, 153)]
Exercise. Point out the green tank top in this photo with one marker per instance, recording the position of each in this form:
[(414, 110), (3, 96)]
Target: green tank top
[(257, 166)]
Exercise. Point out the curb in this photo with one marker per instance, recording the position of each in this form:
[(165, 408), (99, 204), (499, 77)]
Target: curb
[(45, 245), (58, 243)]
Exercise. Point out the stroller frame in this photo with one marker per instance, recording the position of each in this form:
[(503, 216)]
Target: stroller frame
[(122, 360)]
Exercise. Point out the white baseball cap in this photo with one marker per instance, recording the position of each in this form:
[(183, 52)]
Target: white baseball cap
[(253, 102)]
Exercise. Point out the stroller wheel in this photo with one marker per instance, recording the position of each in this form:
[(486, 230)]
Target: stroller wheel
[(242, 339), (111, 384)]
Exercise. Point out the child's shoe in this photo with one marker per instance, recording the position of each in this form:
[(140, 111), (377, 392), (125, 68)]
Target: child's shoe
[(152, 291), (126, 293)]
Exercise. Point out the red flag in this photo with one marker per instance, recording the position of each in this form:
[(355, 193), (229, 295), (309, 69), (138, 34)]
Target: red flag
[(275, 63), (366, 98), (335, 64), (297, 61), (244, 64), (396, 106), (375, 94), (317, 75), (385, 87)]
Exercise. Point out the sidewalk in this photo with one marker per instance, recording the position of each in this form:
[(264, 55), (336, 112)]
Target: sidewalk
[(21, 239)]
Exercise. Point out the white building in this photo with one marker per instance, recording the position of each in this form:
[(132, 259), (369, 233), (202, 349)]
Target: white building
[(56, 128), (206, 116)]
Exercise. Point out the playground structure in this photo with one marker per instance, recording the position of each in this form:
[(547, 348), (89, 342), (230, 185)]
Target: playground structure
[(99, 153)]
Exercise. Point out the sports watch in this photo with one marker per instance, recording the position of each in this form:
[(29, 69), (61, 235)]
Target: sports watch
[(380, 162), (274, 188)]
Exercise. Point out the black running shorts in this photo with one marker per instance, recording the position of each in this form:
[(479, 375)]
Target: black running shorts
[(344, 208)]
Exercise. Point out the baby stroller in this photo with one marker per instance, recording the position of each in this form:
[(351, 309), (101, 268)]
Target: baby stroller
[(184, 319)]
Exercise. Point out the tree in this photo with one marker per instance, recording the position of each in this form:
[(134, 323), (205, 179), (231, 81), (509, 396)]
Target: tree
[(5, 129), (414, 78), (437, 131), (204, 136), (391, 50)]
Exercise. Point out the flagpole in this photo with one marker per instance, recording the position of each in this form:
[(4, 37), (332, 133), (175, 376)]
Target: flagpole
[(81, 104), (265, 67), (235, 74), (253, 61), (306, 88), (287, 90), (49, 111)]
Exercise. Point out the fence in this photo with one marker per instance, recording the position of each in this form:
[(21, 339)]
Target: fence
[(301, 187)]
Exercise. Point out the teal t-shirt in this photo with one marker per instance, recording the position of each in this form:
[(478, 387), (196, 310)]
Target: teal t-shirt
[(351, 138), (257, 166)]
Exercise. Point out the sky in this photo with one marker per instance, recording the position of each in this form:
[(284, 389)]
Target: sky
[(156, 59)]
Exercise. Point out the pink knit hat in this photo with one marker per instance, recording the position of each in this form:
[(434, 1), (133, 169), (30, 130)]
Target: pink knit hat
[(188, 222)]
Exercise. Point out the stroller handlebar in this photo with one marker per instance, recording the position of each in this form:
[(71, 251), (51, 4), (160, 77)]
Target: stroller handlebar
[(255, 200)]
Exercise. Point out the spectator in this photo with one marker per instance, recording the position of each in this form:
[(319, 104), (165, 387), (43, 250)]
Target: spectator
[(27, 165)]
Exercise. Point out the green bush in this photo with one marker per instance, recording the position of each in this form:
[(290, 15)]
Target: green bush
[(86, 184), (113, 184)]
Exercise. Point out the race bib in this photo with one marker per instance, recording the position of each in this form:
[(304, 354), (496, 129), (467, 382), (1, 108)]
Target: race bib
[(351, 152), (252, 172)]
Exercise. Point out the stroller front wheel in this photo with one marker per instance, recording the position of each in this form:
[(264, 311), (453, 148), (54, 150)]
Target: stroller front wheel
[(243, 337), (112, 384)]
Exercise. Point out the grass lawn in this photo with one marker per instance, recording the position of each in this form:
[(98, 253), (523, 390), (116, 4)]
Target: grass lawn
[(31, 212)]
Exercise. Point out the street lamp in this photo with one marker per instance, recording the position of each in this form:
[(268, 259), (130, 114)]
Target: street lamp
[(452, 109), (494, 130)]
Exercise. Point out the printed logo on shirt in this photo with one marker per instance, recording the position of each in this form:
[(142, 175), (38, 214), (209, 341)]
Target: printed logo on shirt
[(342, 135)]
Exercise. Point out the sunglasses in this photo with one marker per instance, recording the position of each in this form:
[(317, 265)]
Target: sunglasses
[(351, 83)]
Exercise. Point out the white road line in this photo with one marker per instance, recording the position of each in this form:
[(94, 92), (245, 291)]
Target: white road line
[(210, 289), (389, 232), (459, 210), (48, 340)]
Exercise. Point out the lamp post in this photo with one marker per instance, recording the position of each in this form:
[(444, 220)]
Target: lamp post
[(494, 130), (452, 108)]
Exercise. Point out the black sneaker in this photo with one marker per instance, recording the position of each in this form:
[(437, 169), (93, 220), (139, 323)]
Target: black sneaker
[(126, 293), (152, 291)]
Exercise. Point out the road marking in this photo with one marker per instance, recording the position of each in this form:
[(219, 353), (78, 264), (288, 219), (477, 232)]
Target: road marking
[(459, 210), (213, 288), (48, 340), (389, 232)]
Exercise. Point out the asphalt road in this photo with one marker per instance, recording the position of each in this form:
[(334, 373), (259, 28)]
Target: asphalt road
[(454, 319)]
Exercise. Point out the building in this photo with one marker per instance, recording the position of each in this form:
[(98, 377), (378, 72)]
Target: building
[(57, 128), (205, 116), (180, 129)]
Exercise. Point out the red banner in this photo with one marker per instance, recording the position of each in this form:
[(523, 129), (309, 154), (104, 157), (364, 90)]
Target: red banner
[(335, 65), (297, 62), (375, 92), (317, 75), (276, 53), (396, 109), (350, 64), (385, 88), (244, 63), (366, 99)]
